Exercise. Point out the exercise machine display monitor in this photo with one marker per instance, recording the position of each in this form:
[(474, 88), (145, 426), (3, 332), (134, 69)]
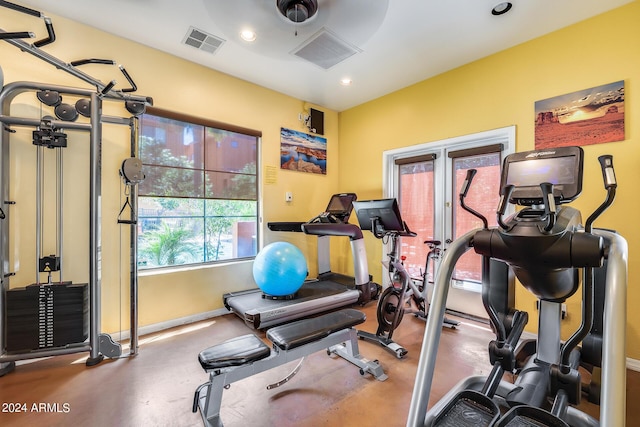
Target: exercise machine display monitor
[(526, 171), (380, 216)]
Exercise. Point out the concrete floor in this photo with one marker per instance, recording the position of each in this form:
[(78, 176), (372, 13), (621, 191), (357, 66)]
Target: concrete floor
[(155, 388)]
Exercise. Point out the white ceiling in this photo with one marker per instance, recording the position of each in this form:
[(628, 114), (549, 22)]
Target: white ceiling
[(400, 42)]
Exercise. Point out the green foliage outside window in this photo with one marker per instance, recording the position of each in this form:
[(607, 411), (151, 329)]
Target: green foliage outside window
[(198, 202)]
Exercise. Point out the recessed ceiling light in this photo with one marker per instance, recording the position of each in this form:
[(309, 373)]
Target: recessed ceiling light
[(248, 35), (501, 8), (346, 81)]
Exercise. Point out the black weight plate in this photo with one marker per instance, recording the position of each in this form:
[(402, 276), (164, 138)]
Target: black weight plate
[(49, 97), (83, 106), (66, 112)]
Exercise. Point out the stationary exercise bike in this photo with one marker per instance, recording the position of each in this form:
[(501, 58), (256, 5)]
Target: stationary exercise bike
[(382, 218)]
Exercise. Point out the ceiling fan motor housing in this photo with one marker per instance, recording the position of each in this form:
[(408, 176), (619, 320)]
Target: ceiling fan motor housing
[(298, 10)]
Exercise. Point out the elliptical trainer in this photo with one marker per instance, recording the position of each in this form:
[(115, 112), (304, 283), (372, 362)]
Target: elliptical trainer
[(545, 245)]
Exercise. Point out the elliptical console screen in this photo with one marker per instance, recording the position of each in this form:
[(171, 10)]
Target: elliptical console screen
[(560, 166)]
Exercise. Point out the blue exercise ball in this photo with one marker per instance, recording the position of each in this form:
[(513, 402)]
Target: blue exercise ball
[(280, 269)]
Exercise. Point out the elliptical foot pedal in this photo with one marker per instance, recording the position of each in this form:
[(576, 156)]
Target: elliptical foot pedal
[(526, 416), (468, 409)]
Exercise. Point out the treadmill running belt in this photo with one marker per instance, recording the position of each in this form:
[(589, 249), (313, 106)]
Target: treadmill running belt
[(313, 297)]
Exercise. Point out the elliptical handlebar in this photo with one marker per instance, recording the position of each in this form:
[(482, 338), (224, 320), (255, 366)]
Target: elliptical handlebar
[(549, 205), (463, 194), (502, 206), (610, 184), (497, 324)]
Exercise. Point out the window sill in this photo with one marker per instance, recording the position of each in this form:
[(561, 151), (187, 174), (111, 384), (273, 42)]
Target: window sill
[(182, 268)]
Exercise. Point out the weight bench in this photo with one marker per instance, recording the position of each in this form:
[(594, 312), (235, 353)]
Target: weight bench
[(247, 355)]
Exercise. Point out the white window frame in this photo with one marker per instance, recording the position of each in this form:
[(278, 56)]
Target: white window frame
[(443, 193)]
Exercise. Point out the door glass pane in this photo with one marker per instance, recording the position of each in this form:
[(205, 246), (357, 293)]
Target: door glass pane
[(415, 197), (483, 197)]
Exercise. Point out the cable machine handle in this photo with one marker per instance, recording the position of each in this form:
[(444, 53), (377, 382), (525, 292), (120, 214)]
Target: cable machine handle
[(17, 35), (21, 9), (124, 72), (133, 87), (51, 34), (79, 62)]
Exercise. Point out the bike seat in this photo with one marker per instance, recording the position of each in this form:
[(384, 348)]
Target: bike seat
[(433, 242)]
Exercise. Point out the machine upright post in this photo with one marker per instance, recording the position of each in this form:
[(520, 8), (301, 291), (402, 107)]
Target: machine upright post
[(133, 251), (4, 227), (614, 362), (95, 245)]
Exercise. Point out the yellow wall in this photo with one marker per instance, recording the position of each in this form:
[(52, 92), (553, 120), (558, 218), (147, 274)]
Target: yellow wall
[(501, 90), (490, 93), (175, 85)]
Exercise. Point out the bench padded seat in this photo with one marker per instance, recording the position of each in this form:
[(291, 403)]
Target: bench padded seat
[(301, 332), (234, 352)]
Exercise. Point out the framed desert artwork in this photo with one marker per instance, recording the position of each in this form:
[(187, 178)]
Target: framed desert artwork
[(302, 152), (585, 117)]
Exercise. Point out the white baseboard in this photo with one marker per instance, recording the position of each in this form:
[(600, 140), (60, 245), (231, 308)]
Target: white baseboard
[(633, 364), (157, 327)]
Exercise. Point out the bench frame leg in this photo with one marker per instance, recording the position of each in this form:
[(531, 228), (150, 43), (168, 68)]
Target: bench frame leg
[(343, 343), (350, 351)]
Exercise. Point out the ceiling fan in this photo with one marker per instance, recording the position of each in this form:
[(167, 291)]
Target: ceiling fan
[(298, 10), (283, 27)]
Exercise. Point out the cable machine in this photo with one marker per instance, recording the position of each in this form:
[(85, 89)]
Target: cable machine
[(49, 133)]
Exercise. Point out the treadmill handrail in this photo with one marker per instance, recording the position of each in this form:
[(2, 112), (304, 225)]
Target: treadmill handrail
[(329, 229)]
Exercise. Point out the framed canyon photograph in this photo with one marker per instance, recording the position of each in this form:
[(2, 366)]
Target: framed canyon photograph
[(586, 117), (302, 152)]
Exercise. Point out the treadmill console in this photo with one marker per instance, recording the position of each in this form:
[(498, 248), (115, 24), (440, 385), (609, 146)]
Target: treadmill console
[(525, 171), (338, 210)]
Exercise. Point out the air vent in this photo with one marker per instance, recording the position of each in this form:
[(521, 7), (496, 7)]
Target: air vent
[(325, 49), (202, 40)]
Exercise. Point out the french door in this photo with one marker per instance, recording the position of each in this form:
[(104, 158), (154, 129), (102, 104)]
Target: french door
[(426, 179)]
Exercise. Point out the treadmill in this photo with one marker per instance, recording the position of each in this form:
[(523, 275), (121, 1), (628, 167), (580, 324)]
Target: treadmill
[(329, 291)]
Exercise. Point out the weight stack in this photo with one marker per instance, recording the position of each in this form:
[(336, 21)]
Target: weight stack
[(46, 316)]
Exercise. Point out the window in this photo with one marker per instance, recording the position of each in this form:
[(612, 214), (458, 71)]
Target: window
[(199, 200), (416, 199), (484, 199)]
